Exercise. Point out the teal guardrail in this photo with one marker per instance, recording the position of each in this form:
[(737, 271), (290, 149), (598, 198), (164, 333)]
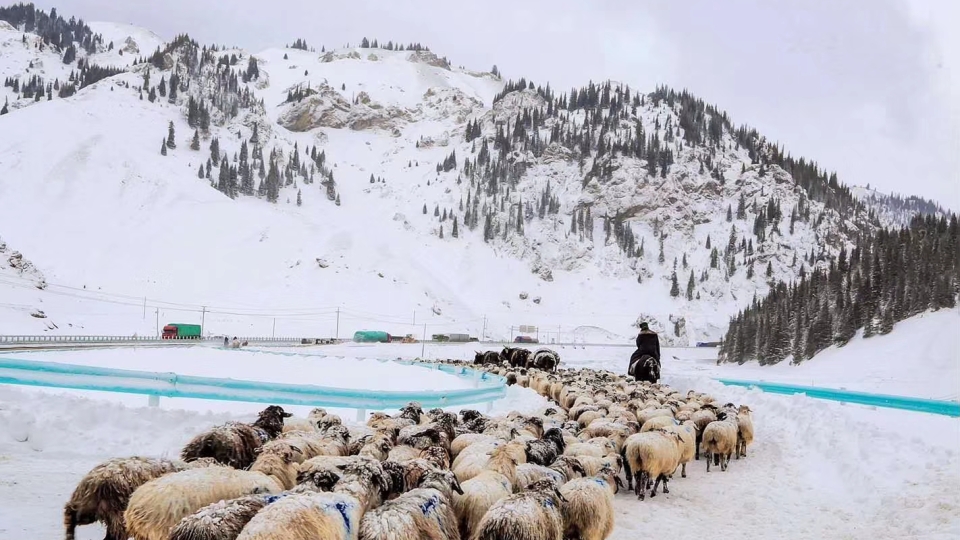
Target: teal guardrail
[(947, 408), (52, 374)]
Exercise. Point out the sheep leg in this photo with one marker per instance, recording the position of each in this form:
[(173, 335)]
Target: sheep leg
[(683, 471), (706, 456), (665, 480), (640, 482), (626, 468), (739, 443), (696, 455), (655, 484)]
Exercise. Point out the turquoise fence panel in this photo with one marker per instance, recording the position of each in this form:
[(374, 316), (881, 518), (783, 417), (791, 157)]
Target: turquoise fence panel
[(947, 408), (51, 374)]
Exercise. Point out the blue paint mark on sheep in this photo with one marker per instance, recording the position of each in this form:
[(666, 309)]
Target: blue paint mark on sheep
[(600, 481), (547, 503), (430, 505), (342, 507)]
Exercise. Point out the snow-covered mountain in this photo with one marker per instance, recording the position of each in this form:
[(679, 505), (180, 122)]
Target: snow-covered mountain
[(896, 210), (382, 187)]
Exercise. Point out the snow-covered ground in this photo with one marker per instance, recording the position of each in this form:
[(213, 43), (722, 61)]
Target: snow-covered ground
[(816, 470)]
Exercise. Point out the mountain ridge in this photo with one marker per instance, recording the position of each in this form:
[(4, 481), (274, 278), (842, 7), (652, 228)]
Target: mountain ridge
[(599, 178)]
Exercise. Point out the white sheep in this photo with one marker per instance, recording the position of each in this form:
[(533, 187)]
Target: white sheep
[(702, 419), (157, 506), (102, 494), (688, 435), (535, 514), (424, 512), (326, 516), (588, 511), (592, 465), (657, 422), (650, 457), (495, 482), (745, 430), (719, 440), (473, 460)]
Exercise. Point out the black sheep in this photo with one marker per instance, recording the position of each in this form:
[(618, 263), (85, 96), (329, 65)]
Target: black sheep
[(235, 443), (545, 450)]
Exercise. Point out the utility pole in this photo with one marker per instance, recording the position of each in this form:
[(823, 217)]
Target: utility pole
[(558, 334), (144, 308), (423, 342), (483, 334), (158, 322), (274, 335), (203, 317), (414, 317), (338, 323)]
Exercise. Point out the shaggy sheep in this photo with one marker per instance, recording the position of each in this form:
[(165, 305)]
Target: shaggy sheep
[(517, 357), (701, 420), (440, 431), (480, 492), (464, 441), (745, 431), (310, 444), (591, 465), (222, 520), (658, 422), (437, 455), (649, 457), (103, 493), (534, 514), (424, 512), (157, 506), (476, 458), (688, 435), (719, 440), (235, 443), (588, 512), (545, 450), (377, 446), (327, 516)]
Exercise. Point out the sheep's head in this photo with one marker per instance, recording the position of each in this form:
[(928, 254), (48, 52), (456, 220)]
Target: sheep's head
[(548, 487), (396, 473), (445, 481), (470, 415), (412, 411), (436, 455), (611, 477), (744, 409), (317, 413), (271, 420), (478, 358), (325, 423), (549, 411), (322, 479), (368, 473)]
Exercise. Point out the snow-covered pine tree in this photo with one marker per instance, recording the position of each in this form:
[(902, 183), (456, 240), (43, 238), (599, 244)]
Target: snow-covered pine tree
[(163, 147), (456, 229), (690, 286), (299, 198), (674, 286), (195, 143)]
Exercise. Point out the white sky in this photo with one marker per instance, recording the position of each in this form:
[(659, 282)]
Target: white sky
[(870, 89)]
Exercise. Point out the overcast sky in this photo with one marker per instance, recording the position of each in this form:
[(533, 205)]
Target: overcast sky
[(870, 89)]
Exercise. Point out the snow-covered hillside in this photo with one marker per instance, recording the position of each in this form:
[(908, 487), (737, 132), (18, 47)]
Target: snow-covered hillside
[(896, 210), (392, 186)]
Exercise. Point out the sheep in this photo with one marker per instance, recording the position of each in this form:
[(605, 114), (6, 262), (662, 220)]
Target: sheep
[(701, 419), (305, 424), (591, 465), (308, 444), (495, 482), (658, 422), (102, 494), (464, 441), (745, 431), (649, 457), (534, 514), (403, 453), (588, 511), (719, 440), (688, 434), (424, 512), (486, 358), (377, 446), (159, 505), (561, 470), (327, 516), (473, 461), (235, 443), (645, 415), (437, 455), (545, 450)]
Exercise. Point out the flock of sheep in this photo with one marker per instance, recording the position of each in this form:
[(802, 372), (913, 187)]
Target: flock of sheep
[(420, 475)]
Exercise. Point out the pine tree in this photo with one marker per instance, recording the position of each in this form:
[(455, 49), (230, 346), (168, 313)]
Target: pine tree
[(441, 231), (5, 108), (690, 286), (424, 208), (436, 211), (171, 139), (456, 230), (769, 269), (708, 242), (195, 143), (685, 265), (661, 258), (729, 213), (488, 233), (163, 148), (674, 286), (215, 150)]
